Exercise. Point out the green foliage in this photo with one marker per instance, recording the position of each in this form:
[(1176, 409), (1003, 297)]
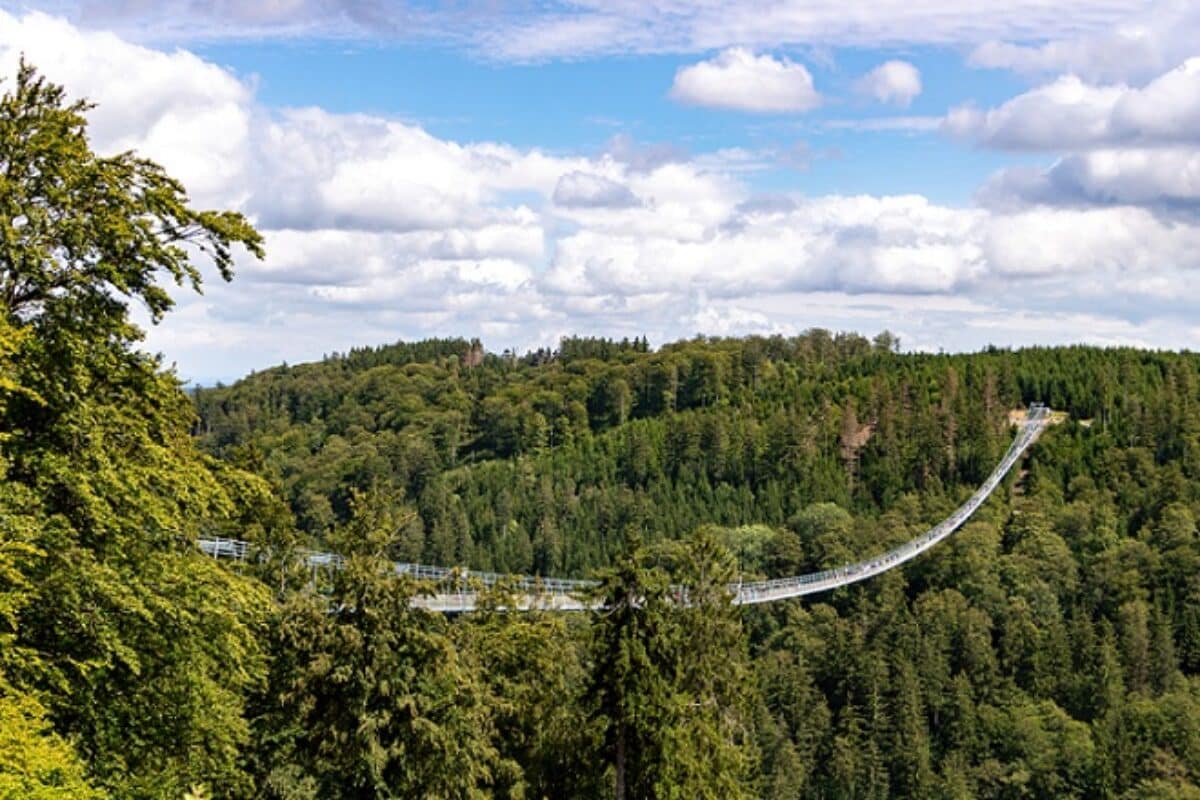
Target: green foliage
[(370, 697), (1050, 649), (36, 764), (142, 650), (576, 444), (670, 680), (1031, 655), (532, 666)]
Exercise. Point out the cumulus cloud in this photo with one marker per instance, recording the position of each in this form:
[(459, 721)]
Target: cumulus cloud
[(1123, 145), (738, 79), (1070, 114), (173, 107), (1163, 179), (1062, 242), (895, 82), (378, 230), (898, 244), (1065, 112), (584, 190), (315, 169), (1131, 50)]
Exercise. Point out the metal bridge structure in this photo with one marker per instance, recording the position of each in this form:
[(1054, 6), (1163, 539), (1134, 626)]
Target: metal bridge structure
[(458, 590)]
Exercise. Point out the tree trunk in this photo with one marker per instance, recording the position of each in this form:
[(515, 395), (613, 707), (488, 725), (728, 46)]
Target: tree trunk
[(620, 788)]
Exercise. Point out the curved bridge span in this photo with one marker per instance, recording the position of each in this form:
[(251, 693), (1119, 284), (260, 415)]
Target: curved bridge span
[(456, 590)]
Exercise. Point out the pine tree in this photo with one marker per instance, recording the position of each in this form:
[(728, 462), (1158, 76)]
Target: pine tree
[(669, 681), (369, 697)]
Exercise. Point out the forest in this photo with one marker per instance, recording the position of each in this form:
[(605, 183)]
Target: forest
[(1049, 649)]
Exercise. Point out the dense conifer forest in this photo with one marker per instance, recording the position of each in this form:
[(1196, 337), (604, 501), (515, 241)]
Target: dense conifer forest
[(1044, 651), (1050, 649)]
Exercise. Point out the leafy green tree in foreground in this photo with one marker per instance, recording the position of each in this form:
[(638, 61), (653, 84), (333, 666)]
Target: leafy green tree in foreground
[(140, 649), (531, 664), (35, 764)]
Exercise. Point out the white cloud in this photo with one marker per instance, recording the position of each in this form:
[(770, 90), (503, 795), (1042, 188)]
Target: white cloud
[(1134, 49), (1064, 113), (327, 170), (738, 79), (306, 257), (895, 82), (1063, 242), (900, 244), (378, 230), (1124, 145), (1070, 113), (173, 107), (1166, 179), (584, 190)]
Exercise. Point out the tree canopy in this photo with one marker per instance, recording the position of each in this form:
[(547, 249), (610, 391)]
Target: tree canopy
[(141, 650), (80, 232)]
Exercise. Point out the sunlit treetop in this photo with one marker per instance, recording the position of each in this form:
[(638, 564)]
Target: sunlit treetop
[(81, 233)]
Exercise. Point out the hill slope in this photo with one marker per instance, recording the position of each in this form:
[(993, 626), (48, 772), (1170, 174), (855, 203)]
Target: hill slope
[(539, 464)]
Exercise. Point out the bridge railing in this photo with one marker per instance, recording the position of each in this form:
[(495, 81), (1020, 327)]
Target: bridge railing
[(779, 588)]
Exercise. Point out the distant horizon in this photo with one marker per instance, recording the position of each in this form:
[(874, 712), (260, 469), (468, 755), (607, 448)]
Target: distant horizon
[(212, 382)]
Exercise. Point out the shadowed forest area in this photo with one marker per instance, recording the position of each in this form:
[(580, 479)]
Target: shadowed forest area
[(1050, 649)]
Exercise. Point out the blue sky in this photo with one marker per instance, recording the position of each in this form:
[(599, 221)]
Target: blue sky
[(578, 106), (1021, 172)]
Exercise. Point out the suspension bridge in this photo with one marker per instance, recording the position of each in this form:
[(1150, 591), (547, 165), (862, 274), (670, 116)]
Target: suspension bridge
[(458, 589)]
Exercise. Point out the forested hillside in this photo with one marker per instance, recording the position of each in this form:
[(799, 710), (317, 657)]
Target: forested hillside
[(1050, 649), (540, 463)]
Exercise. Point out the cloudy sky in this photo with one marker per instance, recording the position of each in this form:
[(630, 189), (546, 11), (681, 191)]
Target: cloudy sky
[(1023, 172)]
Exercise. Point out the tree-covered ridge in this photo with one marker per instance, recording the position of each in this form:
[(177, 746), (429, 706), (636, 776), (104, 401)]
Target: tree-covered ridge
[(538, 464), (1050, 649)]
